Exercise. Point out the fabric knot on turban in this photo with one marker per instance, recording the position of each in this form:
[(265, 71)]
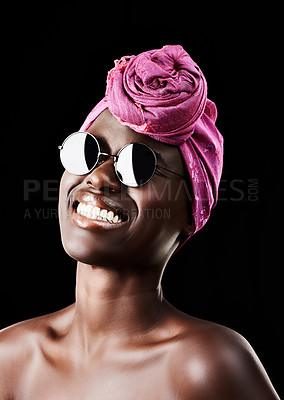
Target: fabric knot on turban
[(163, 94)]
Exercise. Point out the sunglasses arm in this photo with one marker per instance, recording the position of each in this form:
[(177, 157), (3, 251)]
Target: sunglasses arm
[(172, 172)]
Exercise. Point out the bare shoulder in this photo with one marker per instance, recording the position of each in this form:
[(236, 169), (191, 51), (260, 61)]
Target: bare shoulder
[(20, 343), (215, 362), (24, 331)]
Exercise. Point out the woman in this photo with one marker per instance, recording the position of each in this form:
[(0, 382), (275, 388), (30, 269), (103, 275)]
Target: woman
[(141, 177)]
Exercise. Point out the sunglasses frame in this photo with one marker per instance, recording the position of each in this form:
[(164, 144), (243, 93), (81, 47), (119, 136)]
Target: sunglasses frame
[(116, 157)]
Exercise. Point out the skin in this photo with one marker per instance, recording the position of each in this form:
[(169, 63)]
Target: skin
[(122, 340)]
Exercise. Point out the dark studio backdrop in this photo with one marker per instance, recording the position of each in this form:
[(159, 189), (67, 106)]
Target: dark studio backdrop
[(229, 272)]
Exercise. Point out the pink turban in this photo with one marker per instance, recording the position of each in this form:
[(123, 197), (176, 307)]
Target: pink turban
[(163, 94)]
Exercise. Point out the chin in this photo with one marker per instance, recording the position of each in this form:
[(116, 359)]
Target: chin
[(84, 248), (117, 248)]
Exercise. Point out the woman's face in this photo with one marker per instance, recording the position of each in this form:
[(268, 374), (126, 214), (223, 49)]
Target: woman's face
[(152, 216)]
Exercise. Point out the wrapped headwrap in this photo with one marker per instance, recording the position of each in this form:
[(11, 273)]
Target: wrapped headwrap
[(163, 94)]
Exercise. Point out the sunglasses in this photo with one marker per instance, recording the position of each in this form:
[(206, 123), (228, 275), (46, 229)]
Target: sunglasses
[(135, 164)]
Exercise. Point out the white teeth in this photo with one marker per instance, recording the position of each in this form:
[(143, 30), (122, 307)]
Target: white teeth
[(95, 212), (79, 207), (110, 215), (103, 213), (87, 210)]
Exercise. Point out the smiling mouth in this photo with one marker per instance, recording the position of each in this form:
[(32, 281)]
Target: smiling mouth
[(100, 214)]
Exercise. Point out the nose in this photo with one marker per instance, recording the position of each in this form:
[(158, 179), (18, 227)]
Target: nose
[(103, 177)]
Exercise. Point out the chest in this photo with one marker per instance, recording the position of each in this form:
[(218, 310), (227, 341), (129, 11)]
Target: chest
[(138, 379)]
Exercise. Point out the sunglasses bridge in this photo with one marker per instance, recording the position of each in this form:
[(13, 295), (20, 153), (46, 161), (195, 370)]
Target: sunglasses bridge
[(99, 162)]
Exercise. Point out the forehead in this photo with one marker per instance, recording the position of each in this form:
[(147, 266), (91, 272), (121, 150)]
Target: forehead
[(115, 135)]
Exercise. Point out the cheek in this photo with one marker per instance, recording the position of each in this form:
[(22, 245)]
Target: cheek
[(68, 181), (163, 212), (166, 201)]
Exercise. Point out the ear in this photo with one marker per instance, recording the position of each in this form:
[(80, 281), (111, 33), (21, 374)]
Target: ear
[(187, 230)]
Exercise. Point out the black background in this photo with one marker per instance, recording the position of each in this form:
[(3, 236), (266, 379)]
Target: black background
[(58, 57)]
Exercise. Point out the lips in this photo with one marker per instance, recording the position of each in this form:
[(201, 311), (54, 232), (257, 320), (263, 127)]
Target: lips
[(90, 210)]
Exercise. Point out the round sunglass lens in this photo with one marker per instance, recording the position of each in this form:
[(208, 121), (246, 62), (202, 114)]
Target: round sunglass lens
[(79, 153), (136, 164)]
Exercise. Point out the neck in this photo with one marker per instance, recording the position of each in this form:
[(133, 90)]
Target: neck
[(117, 302)]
